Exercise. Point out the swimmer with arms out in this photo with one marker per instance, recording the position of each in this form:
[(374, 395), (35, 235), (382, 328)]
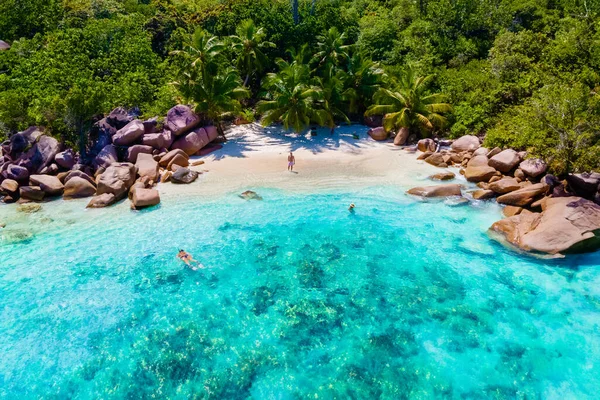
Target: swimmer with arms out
[(189, 260)]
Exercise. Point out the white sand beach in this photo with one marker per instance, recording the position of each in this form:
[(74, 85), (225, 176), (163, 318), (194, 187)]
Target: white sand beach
[(257, 157)]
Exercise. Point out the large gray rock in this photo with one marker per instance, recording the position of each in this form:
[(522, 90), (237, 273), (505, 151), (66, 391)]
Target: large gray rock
[(478, 161), (184, 175), (50, 184), (167, 158), (401, 137), (505, 161), (193, 141), (102, 200), (162, 140), (479, 174), (566, 225), (426, 145), (466, 143), (533, 167), (117, 179), (119, 117), (17, 173), (145, 198), (78, 174), (436, 191), (525, 196), (9, 186), (181, 119), (40, 155), (77, 188), (129, 134), (147, 166), (65, 159), (505, 185), (34, 193), (106, 157), (585, 184), (22, 140), (133, 151)]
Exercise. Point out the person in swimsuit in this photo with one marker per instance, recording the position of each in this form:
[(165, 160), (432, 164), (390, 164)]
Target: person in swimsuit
[(351, 208), (291, 161), (188, 259)]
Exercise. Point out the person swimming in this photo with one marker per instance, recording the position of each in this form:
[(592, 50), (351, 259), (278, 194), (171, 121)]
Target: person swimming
[(189, 260), (351, 208)]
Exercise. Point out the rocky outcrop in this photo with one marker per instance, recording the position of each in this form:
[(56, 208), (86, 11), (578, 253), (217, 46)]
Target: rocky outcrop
[(166, 160), (479, 173), (102, 200), (117, 179), (192, 142), (17, 173), (144, 198), (378, 133), (466, 143), (181, 119), (40, 155), (33, 193), (505, 161), (426, 145), (401, 137), (51, 185), (162, 140), (106, 157), (65, 159), (77, 188), (436, 191), (443, 176), (585, 184), (533, 167), (565, 225), (129, 133), (184, 176), (133, 151), (483, 194), (147, 166), (505, 185), (525, 196)]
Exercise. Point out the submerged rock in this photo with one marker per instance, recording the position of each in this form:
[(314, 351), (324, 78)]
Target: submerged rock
[(436, 191), (29, 208), (250, 195), (565, 225)]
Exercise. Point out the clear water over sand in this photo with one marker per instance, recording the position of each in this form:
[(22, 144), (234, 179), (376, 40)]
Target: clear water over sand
[(301, 299)]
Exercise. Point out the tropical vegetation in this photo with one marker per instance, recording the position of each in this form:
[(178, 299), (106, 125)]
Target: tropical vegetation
[(523, 73)]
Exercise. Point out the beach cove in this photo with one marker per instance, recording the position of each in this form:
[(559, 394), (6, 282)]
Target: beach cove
[(401, 299)]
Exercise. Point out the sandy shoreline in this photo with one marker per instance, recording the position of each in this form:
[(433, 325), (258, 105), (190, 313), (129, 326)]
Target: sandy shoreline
[(254, 158)]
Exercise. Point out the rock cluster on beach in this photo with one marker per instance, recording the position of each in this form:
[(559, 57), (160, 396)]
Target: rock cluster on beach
[(543, 213), (126, 157)]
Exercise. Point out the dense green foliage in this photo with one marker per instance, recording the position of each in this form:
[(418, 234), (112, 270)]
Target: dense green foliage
[(525, 72)]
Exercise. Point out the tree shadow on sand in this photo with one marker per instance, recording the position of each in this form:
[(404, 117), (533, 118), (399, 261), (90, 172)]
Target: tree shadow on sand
[(245, 139)]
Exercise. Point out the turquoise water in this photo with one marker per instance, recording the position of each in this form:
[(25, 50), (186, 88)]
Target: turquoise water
[(301, 299)]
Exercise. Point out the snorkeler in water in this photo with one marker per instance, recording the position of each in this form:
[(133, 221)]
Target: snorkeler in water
[(189, 260), (351, 208)]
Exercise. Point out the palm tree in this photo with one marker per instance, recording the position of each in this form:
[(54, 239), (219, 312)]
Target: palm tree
[(331, 48), (409, 106), (248, 44), (363, 79), (332, 86), (291, 98), (201, 51)]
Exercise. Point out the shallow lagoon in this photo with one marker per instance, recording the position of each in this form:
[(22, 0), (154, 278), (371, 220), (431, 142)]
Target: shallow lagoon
[(402, 299)]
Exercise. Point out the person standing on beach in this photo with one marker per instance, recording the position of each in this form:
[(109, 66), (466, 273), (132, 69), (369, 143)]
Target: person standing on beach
[(291, 161)]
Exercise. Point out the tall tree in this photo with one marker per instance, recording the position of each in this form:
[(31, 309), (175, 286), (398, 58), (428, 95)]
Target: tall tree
[(410, 106), (248, 44), (331, 49), (291, 99), (362, 80)]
